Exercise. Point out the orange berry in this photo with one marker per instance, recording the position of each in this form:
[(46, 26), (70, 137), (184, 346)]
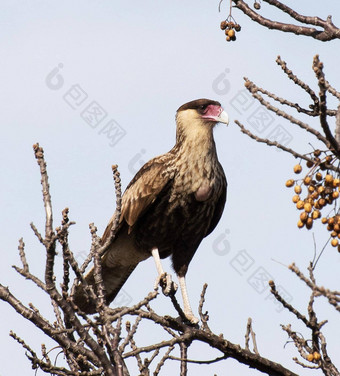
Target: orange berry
[(322, 202), (307, 180), (297, 168), (231, 33), (308, 207), (316, 214), (336, 182), (309, 223), (303, 217), (321, 189), (310, 357), (296, 198), (300, 204), (300, 224), (318, 176), (289, 183), (329, 179), (335, 242), (317, 356), (311, 188), (298, 189)]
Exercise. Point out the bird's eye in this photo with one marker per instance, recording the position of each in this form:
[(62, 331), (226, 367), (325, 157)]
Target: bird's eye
[(202, 108)]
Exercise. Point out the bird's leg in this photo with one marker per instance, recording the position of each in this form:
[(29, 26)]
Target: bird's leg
[(186, 303), (163, 278)]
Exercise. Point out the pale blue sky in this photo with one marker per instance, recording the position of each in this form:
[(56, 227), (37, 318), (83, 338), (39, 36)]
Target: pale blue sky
[(139, 61)]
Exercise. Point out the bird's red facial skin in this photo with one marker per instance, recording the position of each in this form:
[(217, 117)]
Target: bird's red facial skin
[(212, 111)]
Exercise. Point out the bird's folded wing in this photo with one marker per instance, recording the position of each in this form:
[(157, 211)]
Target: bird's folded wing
[(142, 192), (144, 189)]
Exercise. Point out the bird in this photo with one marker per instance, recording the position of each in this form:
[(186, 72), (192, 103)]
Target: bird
[(172, 203)]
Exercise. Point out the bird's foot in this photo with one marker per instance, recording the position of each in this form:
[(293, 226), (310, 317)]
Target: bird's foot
[(165, 281)]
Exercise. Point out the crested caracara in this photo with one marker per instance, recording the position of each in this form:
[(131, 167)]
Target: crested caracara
[(172, 203)]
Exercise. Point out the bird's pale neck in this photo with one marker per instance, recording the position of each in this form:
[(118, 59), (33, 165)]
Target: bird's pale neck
[(194, 138)]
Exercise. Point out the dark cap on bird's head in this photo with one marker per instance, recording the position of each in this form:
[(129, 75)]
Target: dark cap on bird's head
[(208, 109)]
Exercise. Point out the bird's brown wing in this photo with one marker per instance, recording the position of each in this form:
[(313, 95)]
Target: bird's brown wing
[(141, 192), (144, 189)]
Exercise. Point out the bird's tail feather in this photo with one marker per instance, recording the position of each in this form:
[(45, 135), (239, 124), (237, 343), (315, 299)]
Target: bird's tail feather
[(113, 279)]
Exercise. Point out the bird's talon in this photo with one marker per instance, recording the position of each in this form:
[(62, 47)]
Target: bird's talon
[(191, 318), (166, 284), (165, 281), (158, 281)]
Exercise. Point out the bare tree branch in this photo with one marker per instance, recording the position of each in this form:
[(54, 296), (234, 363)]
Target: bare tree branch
[(329, 30)]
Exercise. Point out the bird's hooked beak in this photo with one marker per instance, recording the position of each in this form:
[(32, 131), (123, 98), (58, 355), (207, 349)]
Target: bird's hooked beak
[(223, 117), (216, 113)]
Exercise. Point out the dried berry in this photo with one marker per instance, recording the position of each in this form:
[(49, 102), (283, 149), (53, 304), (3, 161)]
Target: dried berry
[(303, 217), (329, 179), (316, 214), (334, 242), (307, 180), (300, 204), (298, 189), (297, 168), (231, 33), (300, 224), (296, 198), (223, 25), (336, 182), (308, 207), (309, 223), (318, 176), (317, 356), (310, 357)]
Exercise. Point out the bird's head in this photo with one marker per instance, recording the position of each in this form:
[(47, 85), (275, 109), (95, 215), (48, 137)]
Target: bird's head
[(199, 117)]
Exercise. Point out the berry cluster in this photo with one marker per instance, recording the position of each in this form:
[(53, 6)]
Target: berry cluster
[(323, 187), (230, 28), (314, 356)]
